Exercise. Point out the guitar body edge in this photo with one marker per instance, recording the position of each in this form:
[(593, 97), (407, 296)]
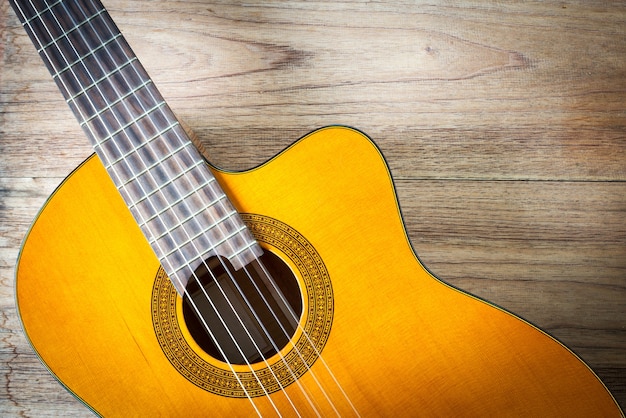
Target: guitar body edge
[(401, 341)]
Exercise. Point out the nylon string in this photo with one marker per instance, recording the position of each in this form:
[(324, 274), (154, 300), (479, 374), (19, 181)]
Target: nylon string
[(295, 317), (241, 294), (188, 236), (95, 136)]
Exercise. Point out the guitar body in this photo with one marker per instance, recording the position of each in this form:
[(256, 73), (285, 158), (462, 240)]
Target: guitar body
[(394, 340)]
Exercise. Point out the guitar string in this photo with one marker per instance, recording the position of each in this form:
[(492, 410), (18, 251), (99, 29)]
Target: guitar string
[(143, 190), (319, 355), (34, 34), (250, 306), (50, 61), (269, 276), (209, 330), (234, 340), (296, 319)]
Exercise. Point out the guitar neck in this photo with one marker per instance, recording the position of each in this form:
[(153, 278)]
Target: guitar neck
[(171, 192)]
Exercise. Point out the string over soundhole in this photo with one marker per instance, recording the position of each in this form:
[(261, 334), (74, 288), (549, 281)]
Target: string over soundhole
[(242, 316)]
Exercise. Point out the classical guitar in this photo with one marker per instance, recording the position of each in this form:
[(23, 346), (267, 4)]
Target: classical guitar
[(153, 284)]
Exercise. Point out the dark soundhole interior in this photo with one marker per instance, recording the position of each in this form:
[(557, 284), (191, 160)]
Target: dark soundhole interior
[(250, 316)]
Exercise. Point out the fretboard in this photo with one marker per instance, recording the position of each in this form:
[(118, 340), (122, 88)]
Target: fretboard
[(164, 180)]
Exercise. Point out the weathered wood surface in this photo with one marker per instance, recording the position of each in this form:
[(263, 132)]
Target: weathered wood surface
[(504, 126)]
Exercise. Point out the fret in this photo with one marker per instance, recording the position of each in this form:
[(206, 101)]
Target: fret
[(173, 138), (156, 211), (182, 267), (81, 59), (162, 162), (159, 163), (122, 170), (185, 238), (65, 14), (228, 216), (133, 121), (114, 76), (158, 224), (229, 238), (194, 200), (108, 132), (193, 239), (195, 215), (180, 273), (174, 191), (146, 185), (65, 34), (110, 146), (99, 96), (148, 212), (180, 239), (187, 157), (247, 247), (164, 180), (202, 215), (136, 137), (44, 22), (40, 13), (105, 77), (176, 161), (182, 270), (157, 116), (187, 265), (189, 262), (174, 227)]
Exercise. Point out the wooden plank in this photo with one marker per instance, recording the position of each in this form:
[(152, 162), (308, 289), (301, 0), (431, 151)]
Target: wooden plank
[(504, 127)]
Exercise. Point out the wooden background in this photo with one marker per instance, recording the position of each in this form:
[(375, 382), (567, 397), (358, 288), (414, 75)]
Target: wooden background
[(504, 125)]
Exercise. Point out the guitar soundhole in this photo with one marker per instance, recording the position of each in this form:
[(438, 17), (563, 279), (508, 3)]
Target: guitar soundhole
[(245, 316)]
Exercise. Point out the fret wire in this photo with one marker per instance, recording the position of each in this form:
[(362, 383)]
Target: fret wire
[(159, 162), (91, 52), (99, 112), (189, 239), (205, 207), (114, 103), (101, 79), (59, 77), (228, 237), (243, 249), (190, 217), (186, 265), (132, 122), (188, 195), (142, 145), (38, 14), (171, 180), (152, 193), (190, 156), (196, 190), (214, 245), (159, 187), (106, 126), (64, 35), (181, 223)]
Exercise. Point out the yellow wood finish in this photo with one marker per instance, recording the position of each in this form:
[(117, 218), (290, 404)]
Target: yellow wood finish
[(402, 342)]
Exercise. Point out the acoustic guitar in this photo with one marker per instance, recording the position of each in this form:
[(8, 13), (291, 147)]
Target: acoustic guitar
[(153, 284)]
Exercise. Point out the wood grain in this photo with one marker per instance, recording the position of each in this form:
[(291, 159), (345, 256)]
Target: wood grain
[(504, 127)]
